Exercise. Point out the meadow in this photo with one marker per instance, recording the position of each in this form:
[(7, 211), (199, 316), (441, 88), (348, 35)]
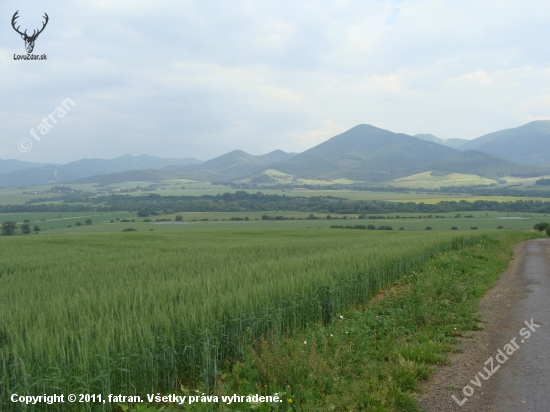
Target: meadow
[(65, 223), (141, 312), (182, 187)]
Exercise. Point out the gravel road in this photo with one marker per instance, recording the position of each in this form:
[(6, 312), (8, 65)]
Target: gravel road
[(516, 321)]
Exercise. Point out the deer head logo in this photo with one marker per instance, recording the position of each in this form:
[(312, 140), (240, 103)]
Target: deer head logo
[(29, 40)]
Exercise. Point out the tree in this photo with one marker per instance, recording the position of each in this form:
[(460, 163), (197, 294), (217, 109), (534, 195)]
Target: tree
[(78, 224), (179, 218), (542, 226), (26, 228), (8, 228), (88, 222), (36, 228)]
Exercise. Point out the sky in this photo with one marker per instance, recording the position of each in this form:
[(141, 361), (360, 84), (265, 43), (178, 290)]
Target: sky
[(185, 78)]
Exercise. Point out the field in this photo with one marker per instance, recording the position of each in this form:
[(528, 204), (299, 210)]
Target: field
[(429, 181), (65, 223), (89, 309), (181, 187), (140, 312)]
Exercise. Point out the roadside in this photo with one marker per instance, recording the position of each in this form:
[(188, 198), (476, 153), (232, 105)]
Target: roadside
[(372, 358), (521, 382)]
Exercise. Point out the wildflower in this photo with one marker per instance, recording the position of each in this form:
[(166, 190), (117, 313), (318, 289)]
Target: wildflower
[(289, 400), (305, 342)]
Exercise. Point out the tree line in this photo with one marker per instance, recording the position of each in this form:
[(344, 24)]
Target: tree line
[(258, 202)]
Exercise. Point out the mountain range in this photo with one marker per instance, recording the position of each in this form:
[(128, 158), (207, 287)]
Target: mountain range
[(17, 173), (363, 153), (528, 144)]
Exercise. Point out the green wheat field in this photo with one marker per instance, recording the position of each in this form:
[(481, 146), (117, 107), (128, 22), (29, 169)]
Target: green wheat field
[(140, 312)]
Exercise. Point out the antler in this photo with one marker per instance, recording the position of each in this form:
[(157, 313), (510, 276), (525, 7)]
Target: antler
[(43, 25), (13, 21)]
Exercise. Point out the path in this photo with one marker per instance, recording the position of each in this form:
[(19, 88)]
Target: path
[(521, 381)]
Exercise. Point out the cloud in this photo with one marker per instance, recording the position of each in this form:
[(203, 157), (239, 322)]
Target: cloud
[(200, 78)]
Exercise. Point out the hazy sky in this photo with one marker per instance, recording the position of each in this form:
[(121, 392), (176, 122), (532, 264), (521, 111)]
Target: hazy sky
[(178, 78)]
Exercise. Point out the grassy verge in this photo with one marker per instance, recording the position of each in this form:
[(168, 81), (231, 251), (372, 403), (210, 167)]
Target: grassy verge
[(371, 358)]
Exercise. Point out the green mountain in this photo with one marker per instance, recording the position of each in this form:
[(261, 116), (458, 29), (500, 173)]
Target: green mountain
[(222, 168), (364, 153), (230, 165), (238, 163), (276, 156), (529, 143), (485, 165), (149, 175)]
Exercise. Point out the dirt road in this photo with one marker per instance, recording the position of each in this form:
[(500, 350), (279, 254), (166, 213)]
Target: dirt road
[(516, 322)]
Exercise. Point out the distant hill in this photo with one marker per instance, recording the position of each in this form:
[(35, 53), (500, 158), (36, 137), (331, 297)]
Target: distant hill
[(454, 143), (149, 175), (429, 138), (12, 165), (276, 156), (23, 175), (91, 167), (222, 168), (238, 163), (36, 176), (485, 165), (364, 153), (528, 144), (231, 164)]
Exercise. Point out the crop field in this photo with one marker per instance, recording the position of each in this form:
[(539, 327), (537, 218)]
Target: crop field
[(66, 223), (15, 196), (432, 181), (134, 313)]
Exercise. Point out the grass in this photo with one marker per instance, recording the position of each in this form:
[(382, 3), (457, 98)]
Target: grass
[(373, 356), (134, 313), (57, 223), (15, 196), (429, 181)]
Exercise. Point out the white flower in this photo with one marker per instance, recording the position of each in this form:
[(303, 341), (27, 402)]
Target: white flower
[(305, 342)]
